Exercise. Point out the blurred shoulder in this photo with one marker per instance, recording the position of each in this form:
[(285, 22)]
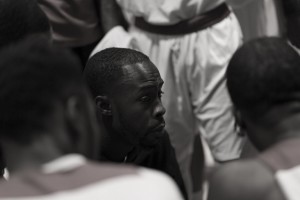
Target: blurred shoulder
[(244, 179), (140, 181)]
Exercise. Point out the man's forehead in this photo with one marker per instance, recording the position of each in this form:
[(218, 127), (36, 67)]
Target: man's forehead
[(142, 72)]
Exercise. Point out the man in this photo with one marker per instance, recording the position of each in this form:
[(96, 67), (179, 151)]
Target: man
[(127, 90), (18, 19), (263, 82), (48, 123), (191, 42)]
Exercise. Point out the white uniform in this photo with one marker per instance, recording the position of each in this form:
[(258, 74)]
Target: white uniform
[(260, 18)]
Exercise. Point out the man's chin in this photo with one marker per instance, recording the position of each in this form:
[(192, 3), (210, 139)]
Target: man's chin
[(152, 138)]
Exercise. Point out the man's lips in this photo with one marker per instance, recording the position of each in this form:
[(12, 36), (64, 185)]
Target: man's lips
[(153, 135), (159, 127)]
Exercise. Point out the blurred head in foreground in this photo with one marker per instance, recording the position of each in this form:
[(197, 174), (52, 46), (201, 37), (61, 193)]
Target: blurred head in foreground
[(46, 109), (263, 82), (19, 19)]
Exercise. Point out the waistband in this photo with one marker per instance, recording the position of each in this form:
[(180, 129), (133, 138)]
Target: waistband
[(187, 26)]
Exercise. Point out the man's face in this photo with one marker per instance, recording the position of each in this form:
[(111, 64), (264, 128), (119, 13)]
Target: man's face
[(137, 110)]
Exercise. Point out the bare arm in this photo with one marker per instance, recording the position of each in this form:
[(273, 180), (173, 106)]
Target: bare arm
[(111, 15)]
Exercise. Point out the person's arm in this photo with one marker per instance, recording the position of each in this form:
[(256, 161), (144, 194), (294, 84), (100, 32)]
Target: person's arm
[(111, 15)]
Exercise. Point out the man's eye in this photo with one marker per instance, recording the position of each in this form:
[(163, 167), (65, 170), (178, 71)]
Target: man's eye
[(146, 99), (160, 93)]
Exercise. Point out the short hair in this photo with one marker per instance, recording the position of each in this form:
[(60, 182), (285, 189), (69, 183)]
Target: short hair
[(33, 77), (19, 19), (263, 73), (105, 67)]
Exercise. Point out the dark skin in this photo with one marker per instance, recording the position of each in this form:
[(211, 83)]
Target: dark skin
[(132, 113)]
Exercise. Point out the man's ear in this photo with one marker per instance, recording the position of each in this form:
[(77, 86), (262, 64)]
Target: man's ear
[(104, 105)]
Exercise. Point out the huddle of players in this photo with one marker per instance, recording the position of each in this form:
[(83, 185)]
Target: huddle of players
[(54, 120)]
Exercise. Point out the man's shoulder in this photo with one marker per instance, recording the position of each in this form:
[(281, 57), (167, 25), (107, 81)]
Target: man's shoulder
[(244, 179)]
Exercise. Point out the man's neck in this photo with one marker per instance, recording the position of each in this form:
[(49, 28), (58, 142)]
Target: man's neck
[(114, 147), (115, 150), (286, 128)]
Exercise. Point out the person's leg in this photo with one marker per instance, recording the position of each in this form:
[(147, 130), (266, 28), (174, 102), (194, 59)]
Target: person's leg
[(260, 18)]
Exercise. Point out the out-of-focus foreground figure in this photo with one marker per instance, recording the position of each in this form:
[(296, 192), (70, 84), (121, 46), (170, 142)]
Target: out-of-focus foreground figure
[(263, 82), (19, 19)]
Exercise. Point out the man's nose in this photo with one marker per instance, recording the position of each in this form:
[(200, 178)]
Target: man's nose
[(159, 110)]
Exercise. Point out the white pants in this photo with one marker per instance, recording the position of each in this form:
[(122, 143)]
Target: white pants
[(193, 67), (260, 18)]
